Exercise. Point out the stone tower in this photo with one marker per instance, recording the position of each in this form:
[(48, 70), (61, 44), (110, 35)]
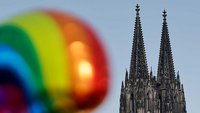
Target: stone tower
[(142, 92)]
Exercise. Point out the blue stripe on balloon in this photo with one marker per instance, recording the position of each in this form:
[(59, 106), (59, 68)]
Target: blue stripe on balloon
[(11, 59)]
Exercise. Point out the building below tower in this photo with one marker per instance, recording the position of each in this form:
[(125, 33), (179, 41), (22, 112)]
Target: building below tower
[(143, 92)]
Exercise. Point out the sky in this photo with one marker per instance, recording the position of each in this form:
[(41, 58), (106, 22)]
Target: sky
[(114, 22)]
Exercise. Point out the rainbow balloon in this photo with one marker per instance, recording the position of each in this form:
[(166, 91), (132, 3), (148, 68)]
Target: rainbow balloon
[(50, 62)]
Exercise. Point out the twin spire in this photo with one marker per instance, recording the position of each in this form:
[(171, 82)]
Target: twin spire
[(142, 92), (138, 66), (166, 64)]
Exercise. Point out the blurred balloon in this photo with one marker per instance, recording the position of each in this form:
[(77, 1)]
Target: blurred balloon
[(50, 62)]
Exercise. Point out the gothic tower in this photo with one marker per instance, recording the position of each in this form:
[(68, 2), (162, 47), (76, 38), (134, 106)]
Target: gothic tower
[(142, 92)]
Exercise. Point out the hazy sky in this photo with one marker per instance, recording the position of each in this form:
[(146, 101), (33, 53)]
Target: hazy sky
[(114, 21)]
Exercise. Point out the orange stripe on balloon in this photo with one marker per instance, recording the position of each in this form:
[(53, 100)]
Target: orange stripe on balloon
[(86, 54), (78, 46)]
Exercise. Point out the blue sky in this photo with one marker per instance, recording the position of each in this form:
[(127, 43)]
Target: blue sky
[(114, 22)]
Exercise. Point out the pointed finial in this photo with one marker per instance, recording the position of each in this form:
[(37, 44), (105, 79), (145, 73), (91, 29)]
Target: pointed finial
[(164, 15), (137, 9), (151, 73), (126, 72), (182, 86), (178, 77), (122, 85), (126, 78)]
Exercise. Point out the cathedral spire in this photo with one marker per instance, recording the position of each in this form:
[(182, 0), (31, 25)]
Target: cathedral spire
[(165, 65), (138, 66)]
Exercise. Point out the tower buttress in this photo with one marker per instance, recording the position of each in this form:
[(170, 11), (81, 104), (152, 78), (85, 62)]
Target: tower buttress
[(122, 99)]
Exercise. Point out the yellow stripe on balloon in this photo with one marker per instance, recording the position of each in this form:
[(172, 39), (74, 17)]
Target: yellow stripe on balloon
[(49, 43), (79, 51)]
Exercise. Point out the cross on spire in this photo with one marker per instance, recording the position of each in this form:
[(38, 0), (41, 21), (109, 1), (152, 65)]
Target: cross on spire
[(137, 9), (164, 15)]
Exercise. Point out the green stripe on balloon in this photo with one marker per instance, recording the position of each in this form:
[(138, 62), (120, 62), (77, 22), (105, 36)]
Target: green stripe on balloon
[(46, 37), (47, 41), (20, 42)]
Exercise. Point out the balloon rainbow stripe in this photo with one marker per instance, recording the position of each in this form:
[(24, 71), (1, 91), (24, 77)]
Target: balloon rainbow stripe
[(58, 61)]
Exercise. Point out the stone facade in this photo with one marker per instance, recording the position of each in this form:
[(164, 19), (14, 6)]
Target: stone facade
[(142, 92)]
